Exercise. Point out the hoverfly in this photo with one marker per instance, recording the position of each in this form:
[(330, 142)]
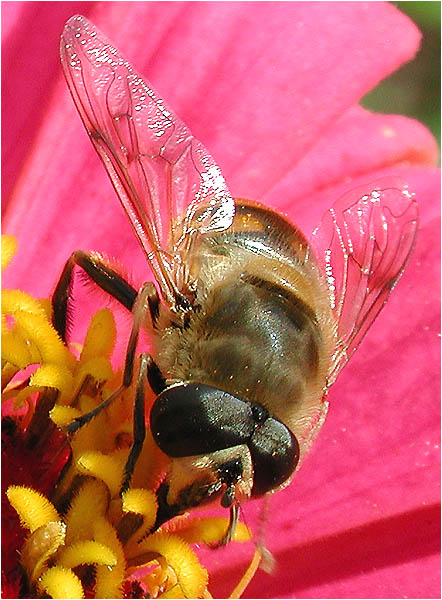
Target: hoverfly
[(250, 323)]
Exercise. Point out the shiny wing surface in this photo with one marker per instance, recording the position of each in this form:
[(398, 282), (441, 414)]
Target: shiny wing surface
[(363, 245), (168, 184)]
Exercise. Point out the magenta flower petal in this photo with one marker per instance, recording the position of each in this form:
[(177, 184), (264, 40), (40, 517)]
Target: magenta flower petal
[(358, 144), (271, 89)]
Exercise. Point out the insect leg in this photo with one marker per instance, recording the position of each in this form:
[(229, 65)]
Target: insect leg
[(139, 421), (143, 301), (148, 369), (147, 297), (102, 275)]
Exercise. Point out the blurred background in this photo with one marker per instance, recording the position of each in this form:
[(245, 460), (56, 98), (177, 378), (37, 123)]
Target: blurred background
[(421, 100)]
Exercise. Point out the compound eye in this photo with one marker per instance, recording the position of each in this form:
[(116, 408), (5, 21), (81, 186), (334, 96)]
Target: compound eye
[(275, 454), (192, 419)]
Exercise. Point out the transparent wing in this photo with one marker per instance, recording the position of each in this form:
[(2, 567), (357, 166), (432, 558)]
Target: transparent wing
[(168, 184), (363, 245)]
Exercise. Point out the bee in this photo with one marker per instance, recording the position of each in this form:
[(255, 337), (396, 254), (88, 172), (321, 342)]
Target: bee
[(250, 323)]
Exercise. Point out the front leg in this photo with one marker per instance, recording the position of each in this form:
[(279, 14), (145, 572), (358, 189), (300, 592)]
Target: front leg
[(146, 297), (146, 302), (105, 277), (147, 370)]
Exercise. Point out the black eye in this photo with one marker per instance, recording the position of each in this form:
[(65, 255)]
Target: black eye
[(192, 419), (275, 454)]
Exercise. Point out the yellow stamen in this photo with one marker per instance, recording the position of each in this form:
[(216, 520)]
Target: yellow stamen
[(208, 530), (15, 349), (33, 509), (15, 300), (89, 503), (9, 248), (109, 468), (53, 376), (86, 553), (99, 367), (191, 576), (46, 305), (100, 337), (37, 329), (63, 415), (59, 582), (8, 371), (109, 582), (140, 502), (158, 576)]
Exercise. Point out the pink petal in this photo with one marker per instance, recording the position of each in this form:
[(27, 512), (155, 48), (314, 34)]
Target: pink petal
[(358, 143), (30, 34)]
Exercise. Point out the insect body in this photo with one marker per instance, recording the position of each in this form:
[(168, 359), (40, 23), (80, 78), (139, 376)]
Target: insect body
[(253, 322), (253, 359)]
